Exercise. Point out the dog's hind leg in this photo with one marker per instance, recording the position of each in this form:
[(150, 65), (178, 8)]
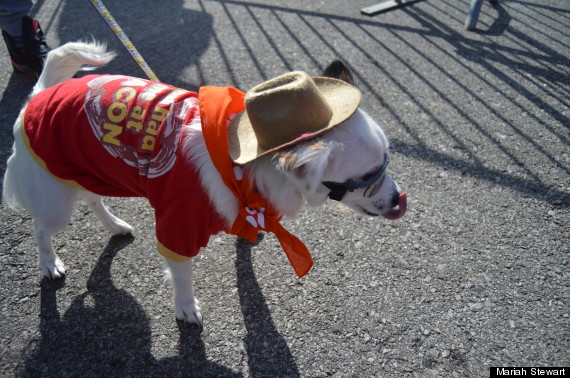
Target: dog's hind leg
[(115, 225), (49, 261), (48, 200), (51, 212)]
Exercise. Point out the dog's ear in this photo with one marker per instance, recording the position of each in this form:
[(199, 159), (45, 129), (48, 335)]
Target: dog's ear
[(305, 164), (339, 70)]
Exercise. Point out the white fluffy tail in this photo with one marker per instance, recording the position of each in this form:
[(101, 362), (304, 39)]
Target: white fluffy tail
[(65, 61)]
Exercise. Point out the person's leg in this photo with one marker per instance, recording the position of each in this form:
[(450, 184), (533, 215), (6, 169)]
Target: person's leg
[(12, 13), (23, 36)]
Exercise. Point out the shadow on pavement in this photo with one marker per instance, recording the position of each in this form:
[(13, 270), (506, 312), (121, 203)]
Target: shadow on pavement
[(267, 351), (105, 332), (548, 67), (171, 38)]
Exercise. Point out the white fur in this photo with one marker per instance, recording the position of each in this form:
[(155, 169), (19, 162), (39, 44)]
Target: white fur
[(288, 179), (64, 62)]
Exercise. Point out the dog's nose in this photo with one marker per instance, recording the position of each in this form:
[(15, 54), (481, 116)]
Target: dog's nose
[(399, 207), (396, 193), (395, 198)]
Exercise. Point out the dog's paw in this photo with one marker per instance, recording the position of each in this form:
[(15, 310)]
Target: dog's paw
[(189, 312), (53, 268), (120, 227)]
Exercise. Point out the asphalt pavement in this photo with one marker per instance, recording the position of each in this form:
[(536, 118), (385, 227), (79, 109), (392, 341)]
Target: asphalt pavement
[(475, 275)]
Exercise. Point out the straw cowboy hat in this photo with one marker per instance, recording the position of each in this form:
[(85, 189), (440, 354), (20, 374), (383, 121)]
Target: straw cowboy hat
[(287, 110)]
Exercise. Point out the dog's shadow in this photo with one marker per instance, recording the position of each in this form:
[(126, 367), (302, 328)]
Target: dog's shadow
[(268, 353), (105, 331)]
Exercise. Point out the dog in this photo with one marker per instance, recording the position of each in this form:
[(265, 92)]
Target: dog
[(345, 161)]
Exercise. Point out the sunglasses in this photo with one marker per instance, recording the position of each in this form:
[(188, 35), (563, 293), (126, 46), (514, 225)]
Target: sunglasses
[(372, 185)]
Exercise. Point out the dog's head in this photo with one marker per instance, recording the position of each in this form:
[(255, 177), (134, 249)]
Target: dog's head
[(348, 164)]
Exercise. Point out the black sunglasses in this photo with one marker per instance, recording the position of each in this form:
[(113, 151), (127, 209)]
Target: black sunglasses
[(338, 190)]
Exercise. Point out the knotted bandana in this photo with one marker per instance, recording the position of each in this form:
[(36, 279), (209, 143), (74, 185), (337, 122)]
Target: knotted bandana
[(217, 107)]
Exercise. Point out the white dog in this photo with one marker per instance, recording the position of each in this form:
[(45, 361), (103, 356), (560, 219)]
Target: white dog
[(299, 140)]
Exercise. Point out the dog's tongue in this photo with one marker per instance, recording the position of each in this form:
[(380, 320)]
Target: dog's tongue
[(402, 206)]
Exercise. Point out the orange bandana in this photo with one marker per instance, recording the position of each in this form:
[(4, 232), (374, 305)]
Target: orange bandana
[(217, 105)]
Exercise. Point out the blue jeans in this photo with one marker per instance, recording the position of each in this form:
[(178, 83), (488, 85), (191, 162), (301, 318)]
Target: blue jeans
[(11, 14)]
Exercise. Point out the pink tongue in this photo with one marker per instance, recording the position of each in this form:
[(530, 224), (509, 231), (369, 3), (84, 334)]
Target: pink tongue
[(402, 206)]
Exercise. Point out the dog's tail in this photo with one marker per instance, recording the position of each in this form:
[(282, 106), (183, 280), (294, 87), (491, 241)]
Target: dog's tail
[(65, 61)]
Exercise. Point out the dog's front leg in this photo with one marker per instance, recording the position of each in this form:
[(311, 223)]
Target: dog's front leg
[(186, 305)]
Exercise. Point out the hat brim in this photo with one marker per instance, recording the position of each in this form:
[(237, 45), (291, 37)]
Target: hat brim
[(342, 97)]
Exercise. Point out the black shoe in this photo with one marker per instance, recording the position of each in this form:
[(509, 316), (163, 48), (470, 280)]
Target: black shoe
[(29, 51)]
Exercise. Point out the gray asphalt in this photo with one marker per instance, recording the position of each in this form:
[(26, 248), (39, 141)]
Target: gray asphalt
[(475, 275)]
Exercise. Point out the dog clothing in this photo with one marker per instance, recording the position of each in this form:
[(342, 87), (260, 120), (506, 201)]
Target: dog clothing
[(120, 136), (218, 106)]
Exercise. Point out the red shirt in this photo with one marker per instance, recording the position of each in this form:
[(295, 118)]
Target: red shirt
[(121, 136)]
